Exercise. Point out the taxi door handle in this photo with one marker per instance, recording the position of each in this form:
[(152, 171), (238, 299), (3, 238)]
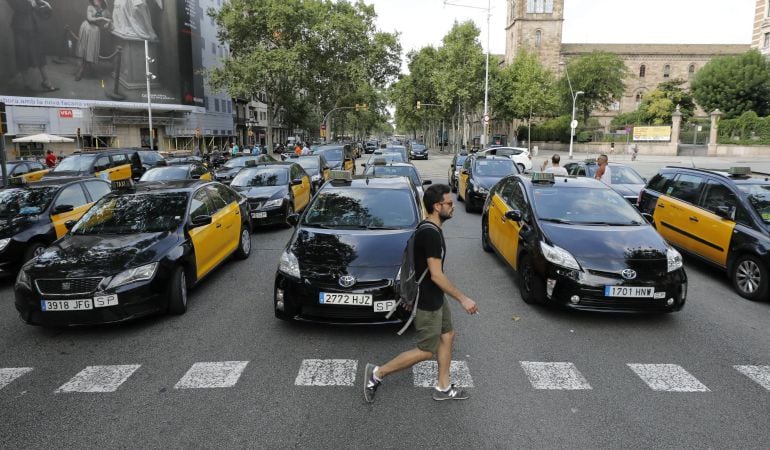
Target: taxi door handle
[(660, 206), (693, 219), (219, 225)]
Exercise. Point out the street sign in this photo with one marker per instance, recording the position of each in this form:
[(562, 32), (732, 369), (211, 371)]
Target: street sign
[(573, 124)]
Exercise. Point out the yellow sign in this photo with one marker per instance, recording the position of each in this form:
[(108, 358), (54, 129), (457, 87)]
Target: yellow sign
[(652, 133)]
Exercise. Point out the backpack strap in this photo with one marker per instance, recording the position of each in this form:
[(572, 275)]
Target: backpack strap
[(410, 319)]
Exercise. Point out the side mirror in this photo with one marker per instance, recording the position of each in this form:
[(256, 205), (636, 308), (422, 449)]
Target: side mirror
[(58, 209), (296, 182), (514, 215), (69, 224), (648, 217), (427, 182), (292, 219), (199, 221), (363, 165), (195, 176), (726, 212)]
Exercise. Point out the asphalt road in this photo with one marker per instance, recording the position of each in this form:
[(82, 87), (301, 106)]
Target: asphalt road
[(623, 380)]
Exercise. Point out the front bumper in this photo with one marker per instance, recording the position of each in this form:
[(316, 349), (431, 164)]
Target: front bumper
[(419, 155), (476, 199), (273, 216), (301, 301)]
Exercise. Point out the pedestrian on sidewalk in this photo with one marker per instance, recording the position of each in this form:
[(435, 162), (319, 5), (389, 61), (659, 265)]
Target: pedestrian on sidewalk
[(305, 150), (555, 168), (603, 173), (50, 159), (433, 320)]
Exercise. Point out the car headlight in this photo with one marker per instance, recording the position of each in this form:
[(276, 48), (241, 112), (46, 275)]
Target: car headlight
[(289, 264), (141, 273), (480, 189), (559, 256), (22, 278), (273, 203), (674, 259), (4, 243)]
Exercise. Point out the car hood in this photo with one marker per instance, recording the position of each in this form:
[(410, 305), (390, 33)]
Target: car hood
[(100, 255), (486, 182), (628, 190), (263, 191), (12, 226), (323, 253), (334, 165), (610, 249), (227, 172)]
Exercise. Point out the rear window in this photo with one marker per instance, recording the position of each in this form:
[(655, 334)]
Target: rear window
[(495, 168), (686, 187), (658, 182)]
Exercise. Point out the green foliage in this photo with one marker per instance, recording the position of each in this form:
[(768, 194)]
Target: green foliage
[(556, 129), (460, 71), (734, 85), (658, 105), (748, 129), (600, 76), (523, 89)]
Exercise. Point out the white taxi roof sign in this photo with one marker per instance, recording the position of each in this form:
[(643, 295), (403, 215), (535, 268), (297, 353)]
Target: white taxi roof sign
[(341, 175), (543, 177), (739, 170)]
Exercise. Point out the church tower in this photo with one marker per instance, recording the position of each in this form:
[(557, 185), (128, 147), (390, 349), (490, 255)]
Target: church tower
[(535, 26)]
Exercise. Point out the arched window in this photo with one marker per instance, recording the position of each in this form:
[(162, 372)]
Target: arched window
[(642, 70), (538, 38), (638, 98), (666, 71), (691, 70)]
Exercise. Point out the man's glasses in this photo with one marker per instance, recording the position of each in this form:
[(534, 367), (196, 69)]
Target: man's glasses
[(450, 203)]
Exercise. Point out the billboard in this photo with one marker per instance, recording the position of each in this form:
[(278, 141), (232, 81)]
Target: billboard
[(79, 53), (652, 133)]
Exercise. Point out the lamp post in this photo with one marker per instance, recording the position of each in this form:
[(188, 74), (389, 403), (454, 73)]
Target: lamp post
[(150, 76), (574, 95)]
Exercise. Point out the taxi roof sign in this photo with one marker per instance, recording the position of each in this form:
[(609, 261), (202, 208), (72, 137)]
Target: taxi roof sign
[(341, 175), (380, 161), (250, 163), (543, 177), (739, 170)]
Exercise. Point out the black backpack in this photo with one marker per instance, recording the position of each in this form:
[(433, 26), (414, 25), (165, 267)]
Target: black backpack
[(408, 282)]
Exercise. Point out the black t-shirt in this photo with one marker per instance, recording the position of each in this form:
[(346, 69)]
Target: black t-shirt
[(429, 243)]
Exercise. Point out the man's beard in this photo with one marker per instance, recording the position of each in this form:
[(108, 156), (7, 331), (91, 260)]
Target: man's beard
[(444, 217)]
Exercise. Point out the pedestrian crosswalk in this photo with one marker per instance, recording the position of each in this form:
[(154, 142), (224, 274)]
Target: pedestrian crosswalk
[(542, 375)]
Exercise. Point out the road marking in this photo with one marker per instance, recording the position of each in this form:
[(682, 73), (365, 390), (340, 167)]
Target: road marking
[(760, 374), (426, 374), (554, 375), (204, 375), (668, 378), (327, 372), (9, 374), (99, 379)]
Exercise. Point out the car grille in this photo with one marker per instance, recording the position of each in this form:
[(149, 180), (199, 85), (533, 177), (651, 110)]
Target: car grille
[(647, 271), (334, 312), (256, 203), (333, 285), (67, 286), (636, 304)]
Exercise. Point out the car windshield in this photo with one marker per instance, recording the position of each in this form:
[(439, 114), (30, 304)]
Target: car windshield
[(625, 175), (388, 157), (75, 163), (461, 160), (237, 162), (310, 164), (494, 168), (20, 202), (395, 171), (584, 206), (10, 166), (362, 209), (263, 176), (759, 198), (165, 174), (134, 213), (333, 154)]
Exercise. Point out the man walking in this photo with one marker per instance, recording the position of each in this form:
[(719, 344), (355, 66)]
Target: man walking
[(603, 173), (433, 320), (555, 168)]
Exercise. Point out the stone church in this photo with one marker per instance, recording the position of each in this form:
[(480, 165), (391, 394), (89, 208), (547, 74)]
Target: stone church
[(536, 25)]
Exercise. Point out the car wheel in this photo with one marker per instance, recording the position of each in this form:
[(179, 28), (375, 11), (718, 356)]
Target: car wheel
[(531, 285), (244, 244), (34, 250), (177, 298), (485, 243), (749, 276), (289, 211), (521, 167), (468, 206)]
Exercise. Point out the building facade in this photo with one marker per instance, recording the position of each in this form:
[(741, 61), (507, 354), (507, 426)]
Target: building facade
[(760, 38)]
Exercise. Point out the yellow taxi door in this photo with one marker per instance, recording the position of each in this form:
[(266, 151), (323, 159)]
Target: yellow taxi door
[(463, 182), (676, 211), (301, 192), (712, 233), (35, 176), (206, 245), (497, 208), (71, 196), (227, 221), (510, 229)]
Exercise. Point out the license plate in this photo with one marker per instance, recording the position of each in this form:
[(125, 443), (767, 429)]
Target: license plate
[(629, 291), (101, 301), (327, 298), (384, 306), (67, 305), (258, 215)]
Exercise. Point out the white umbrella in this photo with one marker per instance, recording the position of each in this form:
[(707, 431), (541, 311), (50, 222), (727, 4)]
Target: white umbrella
[(43, 138)]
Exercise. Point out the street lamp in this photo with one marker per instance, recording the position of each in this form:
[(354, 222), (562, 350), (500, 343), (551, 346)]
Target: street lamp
[(574, 95), (150, 76)]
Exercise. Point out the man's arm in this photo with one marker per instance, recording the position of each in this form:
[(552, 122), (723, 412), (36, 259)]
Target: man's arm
[(442, 281), (599, 173)]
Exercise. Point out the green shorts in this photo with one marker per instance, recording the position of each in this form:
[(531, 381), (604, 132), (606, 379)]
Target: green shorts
[(430, 325)]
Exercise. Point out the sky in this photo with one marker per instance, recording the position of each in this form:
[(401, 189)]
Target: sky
[(425, 22)]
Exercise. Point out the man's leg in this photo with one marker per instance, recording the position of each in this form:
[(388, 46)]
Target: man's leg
[(403, 361), (444, 359)]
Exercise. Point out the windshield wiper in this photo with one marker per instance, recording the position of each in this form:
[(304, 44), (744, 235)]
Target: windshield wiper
[(611, 224), (382, 228), (555, 220), (317, 225)]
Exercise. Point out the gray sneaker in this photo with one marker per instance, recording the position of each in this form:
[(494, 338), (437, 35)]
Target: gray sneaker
[(370, 384), (453, 393)]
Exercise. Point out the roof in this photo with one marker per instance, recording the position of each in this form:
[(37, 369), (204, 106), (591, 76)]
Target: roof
[(168, 186), (373, 183), (568, 182), (658, 49), (54, 181), (754, 177)]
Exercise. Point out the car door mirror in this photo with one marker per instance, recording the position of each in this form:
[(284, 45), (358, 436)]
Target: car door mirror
[(195, 176), (292, 219), (70, 224), (427, 182), (199, 221), (514, 215), (726, 212), (58, 209)]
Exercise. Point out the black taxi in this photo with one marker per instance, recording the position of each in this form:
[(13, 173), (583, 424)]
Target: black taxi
[(341, 264), (182, 171), (478, 175), (135, 252), (577, 242), (25, 171), (110, 164), (719, 216), (32, 216), (274, 190), (338, 156)]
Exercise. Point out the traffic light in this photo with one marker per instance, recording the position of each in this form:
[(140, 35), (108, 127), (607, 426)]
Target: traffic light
[(357, 107), (77, 132), (3, 121), (418, 104)]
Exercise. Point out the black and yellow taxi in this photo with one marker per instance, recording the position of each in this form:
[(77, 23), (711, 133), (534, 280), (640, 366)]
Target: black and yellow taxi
[(576, 242), (315, 166), (274, 191), (182, 171), (453, 174), (478, 175), (338, 156), (341, 264), (624, 179), (112, 165), (24, 171), (135, 252), (719, 216), (228, 170), (32, 216)]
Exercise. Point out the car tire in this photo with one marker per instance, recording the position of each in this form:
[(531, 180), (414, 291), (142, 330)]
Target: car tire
[(749, 276), (486, 245), (468, 206), (33, 251), (531, 285), (521, 167), (244, 243), (177, 295)]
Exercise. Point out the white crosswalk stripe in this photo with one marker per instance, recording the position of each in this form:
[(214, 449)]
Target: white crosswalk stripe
[(554, 376), (668, 378), (7, 375), (426, 374), (99, 379), (327, 372), (204, 375), (759, 374)]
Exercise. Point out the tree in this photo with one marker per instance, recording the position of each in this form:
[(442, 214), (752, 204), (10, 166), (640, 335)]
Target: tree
[(600, 76), (734, 84), (658, 105)]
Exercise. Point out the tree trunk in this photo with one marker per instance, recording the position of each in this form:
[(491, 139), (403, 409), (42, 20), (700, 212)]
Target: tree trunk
[(269, 124)]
